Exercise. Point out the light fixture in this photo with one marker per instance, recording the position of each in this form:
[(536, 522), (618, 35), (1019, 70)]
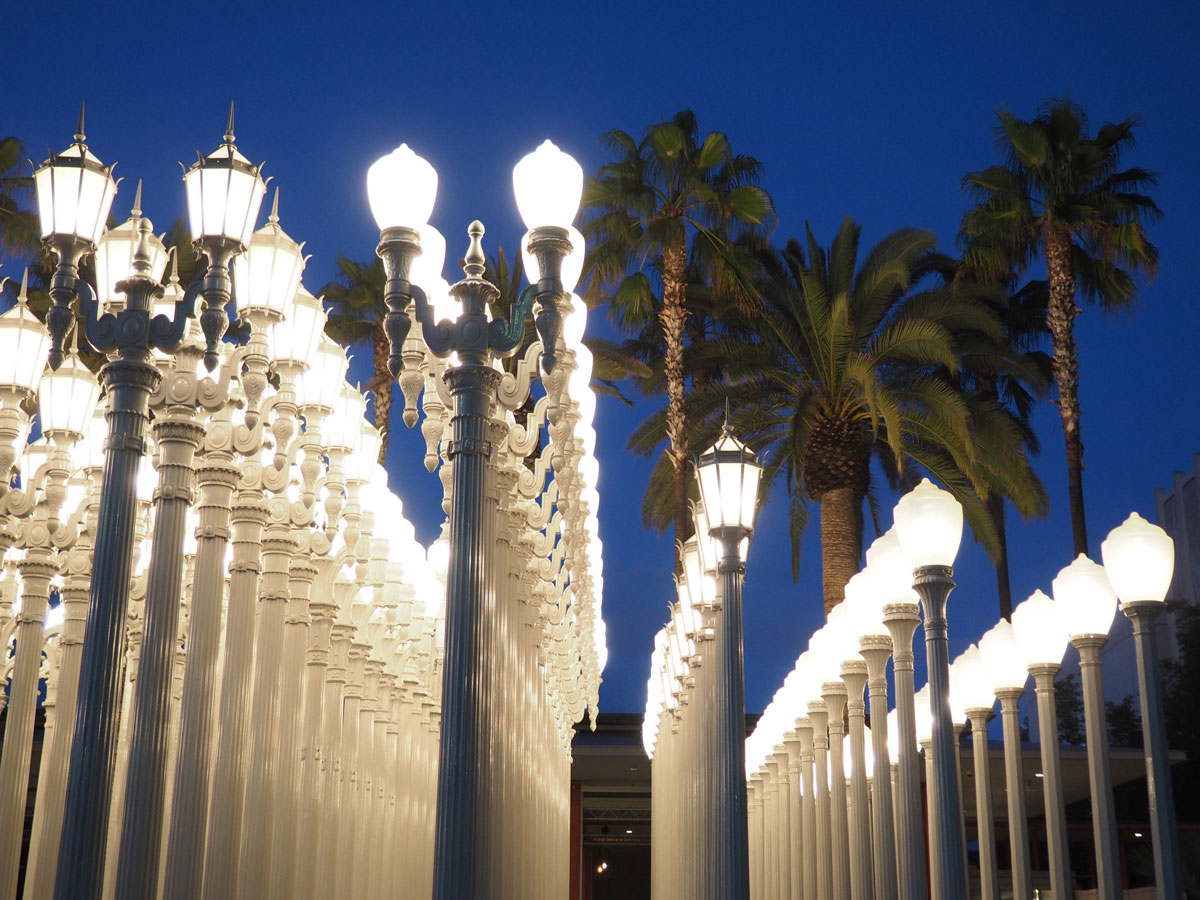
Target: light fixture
[(929, 525), (115, 256), (1139, 558), (1085, 599), (267, 276), (224, 194), (67, 397), (75, 192), (401, 188), (1041, 637), (729, 473), (548, 184)]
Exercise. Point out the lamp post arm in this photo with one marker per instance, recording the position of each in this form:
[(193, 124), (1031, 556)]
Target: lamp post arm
[(514, 391), (504, 335)]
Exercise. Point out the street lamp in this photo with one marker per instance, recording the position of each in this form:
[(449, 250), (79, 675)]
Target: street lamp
[(1041, 637), (1087, 604), (729, 475), (975, 684), (402, 188), (74, 193), (929, 525), (1139, 558)]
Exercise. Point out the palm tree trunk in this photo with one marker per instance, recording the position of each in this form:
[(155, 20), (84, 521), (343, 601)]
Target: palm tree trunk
[(674, 321), (995, 508), (1060, 319), (383, 388), (840, 537)]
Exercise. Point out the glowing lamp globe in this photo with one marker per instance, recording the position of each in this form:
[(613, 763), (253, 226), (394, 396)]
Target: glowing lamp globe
[(729, 474), (401, 188), (548, 185), (224, 194), (24, 347), (923, 715), (74, 193), (323, 379), (361, 463), (67, 398), (892, 570), (970, 681), (115, 252), (1086, 601), (266, 276), (572, 265), (425, 270), (1139, 558), (929, 524), (1000, 656), (1039, 631), (341, 428), (297, 338)]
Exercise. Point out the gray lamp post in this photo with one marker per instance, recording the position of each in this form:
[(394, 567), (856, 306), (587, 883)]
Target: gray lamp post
[(929, 524), (729, 476), (1140, 558), (402, 188), (975, 682), (70, 228), (1087, 605)]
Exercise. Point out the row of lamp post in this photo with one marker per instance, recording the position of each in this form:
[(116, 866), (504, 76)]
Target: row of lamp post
[(249, 683)]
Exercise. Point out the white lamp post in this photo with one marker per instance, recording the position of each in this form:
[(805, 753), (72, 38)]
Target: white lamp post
[(1139, 558), (974, 681), (1041, 638), (729, 473), (929, 524), (1087, 604)]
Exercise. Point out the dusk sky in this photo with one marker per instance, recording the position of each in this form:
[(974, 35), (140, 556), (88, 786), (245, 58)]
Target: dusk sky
[(869, 110)]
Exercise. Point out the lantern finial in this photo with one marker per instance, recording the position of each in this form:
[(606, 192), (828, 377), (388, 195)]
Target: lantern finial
[(274, 217), (80, 137), (23, 295), (229, 127), (136, 212)]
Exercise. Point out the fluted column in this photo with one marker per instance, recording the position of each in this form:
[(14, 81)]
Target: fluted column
[(808, 809), (854, 675), (902, 620), (834, 693), (984, 816), (819, 718), (795, 817), (1104, 817), (1056, 816), (1014, 775), (877, 650)]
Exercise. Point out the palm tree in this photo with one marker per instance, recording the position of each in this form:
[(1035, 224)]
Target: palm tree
[(671, 201), (20, 235), (858, 362), (1060, 194)]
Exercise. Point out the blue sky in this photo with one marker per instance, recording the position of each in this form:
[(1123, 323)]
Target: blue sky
[(868, 110)]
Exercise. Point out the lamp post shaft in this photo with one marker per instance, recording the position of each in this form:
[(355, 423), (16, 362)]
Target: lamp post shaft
[(129, 381), (824, 866), (731, 866), (1158, 765), (862, 886), (1056, 817), (902, 620), (834, 694), (984, 817), (1014, 778), (1104, 820), (934, 584), (464, 783), (141, 827), (883, 841)]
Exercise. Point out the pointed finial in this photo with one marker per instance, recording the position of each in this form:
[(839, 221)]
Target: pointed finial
[(23, 296), (174, 265), (274, 217), (80, 137), (474, 262), (725, 427), (229, 127), (136, 212)]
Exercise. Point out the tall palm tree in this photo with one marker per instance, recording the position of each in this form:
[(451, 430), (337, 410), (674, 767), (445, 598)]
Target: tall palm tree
[(672, 200), (20, 235), (1061, 195), (355, 309), (855, 362)]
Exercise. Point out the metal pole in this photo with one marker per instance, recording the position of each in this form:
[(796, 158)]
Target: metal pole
[(854, 674), (934, 584), (1014, 777), (877, 650), (821, 831), (1104, 819), (834, 693), (177, 435), (901, 620), (795, 817), (1056, 816), (808, 810), (985, 823), (1142, 615)]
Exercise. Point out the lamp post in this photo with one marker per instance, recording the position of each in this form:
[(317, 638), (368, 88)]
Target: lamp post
[(1139, 559), (1041, 638), (975, 683), (1000, 656), (402, 188), (929, 525), (729, 473), (1087, 605), (225, 190)]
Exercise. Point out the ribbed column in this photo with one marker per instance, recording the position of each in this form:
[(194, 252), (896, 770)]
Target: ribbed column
[(808, 809), (862, 887), (876, 650), (334, 763), (902, 620), (1052, 791), (795, 818), (464, 779), (258, 806), (128, 383), (249, 514), (984, 816), (1104, 817), (177, 435), (834, 693), (184, 878), (1014, 775), (37, 567), (819, 718)]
